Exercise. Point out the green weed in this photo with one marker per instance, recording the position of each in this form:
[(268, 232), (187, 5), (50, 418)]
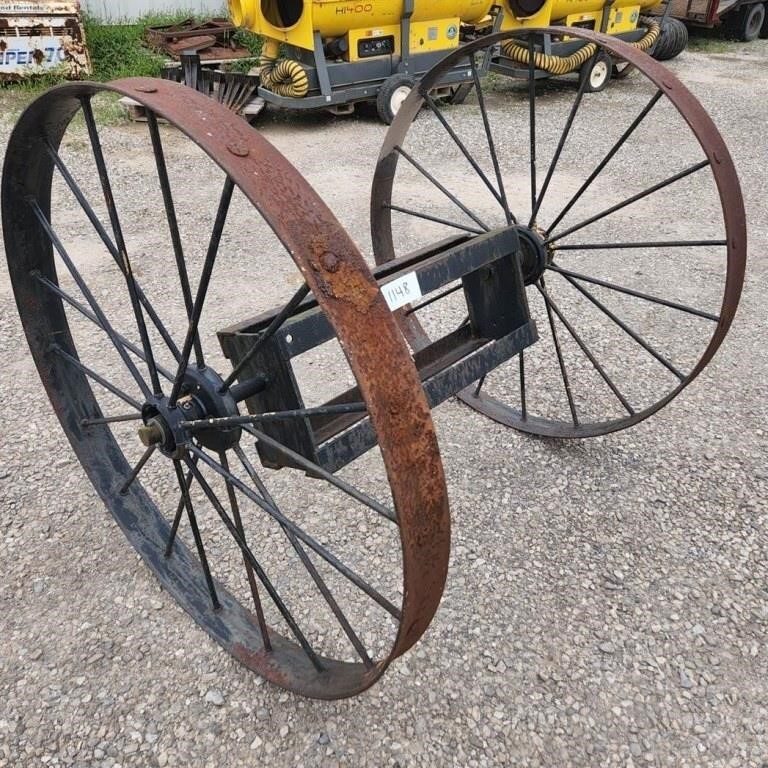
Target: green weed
[(119, 50), (253, 43)]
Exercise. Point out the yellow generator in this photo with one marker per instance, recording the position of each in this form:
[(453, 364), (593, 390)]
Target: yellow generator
[(336, 53), (560, 54)]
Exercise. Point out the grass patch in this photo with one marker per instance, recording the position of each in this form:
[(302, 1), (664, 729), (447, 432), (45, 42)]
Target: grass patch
[(716, 41), (119, 50), (711, 45), (253, 43)]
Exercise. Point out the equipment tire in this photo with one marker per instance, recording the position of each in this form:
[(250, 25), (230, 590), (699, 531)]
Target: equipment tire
[(748, 23), (672, 41), (392, 94), (597, 72)]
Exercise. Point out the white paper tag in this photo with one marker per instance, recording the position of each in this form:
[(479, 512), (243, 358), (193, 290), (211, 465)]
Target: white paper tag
[(402, 291)]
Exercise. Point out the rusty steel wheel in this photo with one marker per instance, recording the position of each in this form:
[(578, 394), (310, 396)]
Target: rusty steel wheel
[(123, 270), (630, 220)]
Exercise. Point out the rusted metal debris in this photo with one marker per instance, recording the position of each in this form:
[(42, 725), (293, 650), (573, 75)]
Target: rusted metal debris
[(236, 91), (42, 37), (212, 40)]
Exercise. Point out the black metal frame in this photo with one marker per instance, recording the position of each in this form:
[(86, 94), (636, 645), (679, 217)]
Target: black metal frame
[(498, 327)]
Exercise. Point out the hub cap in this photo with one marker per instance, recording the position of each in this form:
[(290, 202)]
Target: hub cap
[(536, 256)]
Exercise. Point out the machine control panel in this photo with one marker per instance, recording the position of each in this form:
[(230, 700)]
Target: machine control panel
[(376, 46)]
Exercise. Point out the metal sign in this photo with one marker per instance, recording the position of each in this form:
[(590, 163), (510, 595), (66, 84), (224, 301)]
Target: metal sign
[(37, 37)]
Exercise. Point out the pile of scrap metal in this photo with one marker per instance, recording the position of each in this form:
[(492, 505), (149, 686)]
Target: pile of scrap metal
[(213, 40), (236, 91), (42, 37)]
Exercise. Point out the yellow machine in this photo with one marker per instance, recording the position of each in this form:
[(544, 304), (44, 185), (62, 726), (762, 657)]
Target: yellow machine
[(338, 52), (623, 15), (372, 27)]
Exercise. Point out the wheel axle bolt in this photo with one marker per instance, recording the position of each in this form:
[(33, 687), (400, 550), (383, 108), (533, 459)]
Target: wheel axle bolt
[(151, 434)]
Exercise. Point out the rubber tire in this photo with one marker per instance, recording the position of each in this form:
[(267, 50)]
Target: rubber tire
[(764, 28), (603, 60), (672, 41), (386, 94), (748, 23)]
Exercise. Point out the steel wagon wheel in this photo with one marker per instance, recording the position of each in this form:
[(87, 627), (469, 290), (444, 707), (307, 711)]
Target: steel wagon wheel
[(633, 235), (272, 565)]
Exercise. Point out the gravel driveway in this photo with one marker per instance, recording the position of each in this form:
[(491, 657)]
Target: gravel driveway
[(607, 601)]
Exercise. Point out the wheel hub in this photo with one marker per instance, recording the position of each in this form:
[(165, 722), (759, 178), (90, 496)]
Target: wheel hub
[(536, 256), (200, 398)]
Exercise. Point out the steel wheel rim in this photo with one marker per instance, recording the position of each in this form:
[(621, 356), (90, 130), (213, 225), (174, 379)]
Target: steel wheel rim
[(723, 173), (310, 235)]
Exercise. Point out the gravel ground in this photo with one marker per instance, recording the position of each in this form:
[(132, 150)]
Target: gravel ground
[(606, 601)]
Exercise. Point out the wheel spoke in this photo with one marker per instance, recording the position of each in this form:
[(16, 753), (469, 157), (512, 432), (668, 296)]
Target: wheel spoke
[(135, 471), (559, 353), (624, 203), (302, 535), (109, 245), (479, 386), (117, 231), (95, 376), (455, 200), (441, 295), (308, 564), (195, 530), (491, 144), (636, 294), (464, 151), (316, 469), (436, 219), (110, 420), (561, 142), (89, 297), (83, 310), (273, 593), (523, 402), (173, 225), (177, 517), (624, 327), (587, 352), (202, 289), (268, 333), (532, 121), (228, 422), (649, 244), (607, 159), (235, 507)]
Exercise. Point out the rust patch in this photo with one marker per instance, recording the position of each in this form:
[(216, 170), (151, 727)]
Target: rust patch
[(255, 660), (351, 286)]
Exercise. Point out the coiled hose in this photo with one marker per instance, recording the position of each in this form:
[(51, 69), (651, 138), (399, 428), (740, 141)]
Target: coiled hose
[(284, 77), (562, 65)]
